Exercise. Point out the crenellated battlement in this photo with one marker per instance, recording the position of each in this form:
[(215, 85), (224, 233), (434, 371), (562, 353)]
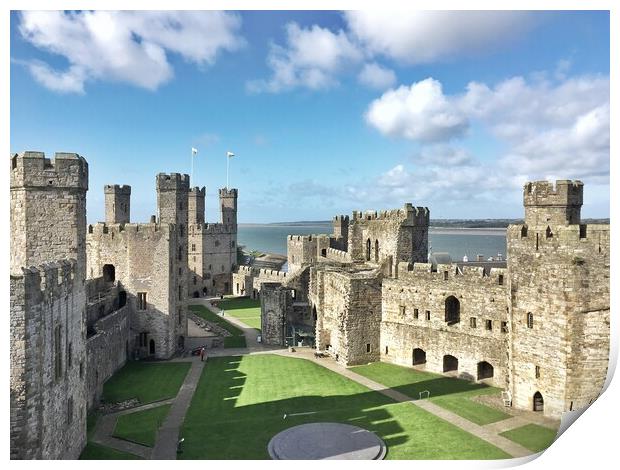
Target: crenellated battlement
[(560, 238), (338, 255), (32, 169), (228, 192), (212, 228), (446, 273), (549, 204), (197, 192), (172, 182), (408, 215), (340, 218), (47, 282), (272, 273), (117, 189), (102, 229), (246, 270)]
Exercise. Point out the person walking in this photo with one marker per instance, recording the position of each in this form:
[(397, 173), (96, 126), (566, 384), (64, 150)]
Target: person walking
[(202, 354)]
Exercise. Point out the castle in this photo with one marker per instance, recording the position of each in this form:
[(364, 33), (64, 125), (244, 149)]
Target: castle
[(86, 298), (536, 326)]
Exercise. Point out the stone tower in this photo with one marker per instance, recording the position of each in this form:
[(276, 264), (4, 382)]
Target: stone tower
[(117, 199), (559, 301), (196, 205), (172, 208), (47, 299), (228, 205), (341, 229), (45, 228)]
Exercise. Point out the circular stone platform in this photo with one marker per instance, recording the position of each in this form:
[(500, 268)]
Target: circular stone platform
[(318, 441)]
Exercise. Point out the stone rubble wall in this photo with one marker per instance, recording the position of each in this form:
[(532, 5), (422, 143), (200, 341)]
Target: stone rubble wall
[(44, 425)]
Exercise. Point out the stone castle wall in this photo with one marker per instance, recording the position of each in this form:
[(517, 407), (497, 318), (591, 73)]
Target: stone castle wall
[(48, 390), (414, 317), (145, 260), (562, 279), (107, 351)]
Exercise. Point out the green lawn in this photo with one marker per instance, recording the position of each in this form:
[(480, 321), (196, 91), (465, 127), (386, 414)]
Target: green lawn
[(244, 309), (241, 401), (447, 392), (531, 436), (141, 427), (94, 451), (237, 340), (146, 381)]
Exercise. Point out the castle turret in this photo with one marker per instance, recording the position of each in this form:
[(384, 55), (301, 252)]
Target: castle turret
[(117, 199), (48, 209), (196, 205), (549, 205), (341, 229), (228, 205)]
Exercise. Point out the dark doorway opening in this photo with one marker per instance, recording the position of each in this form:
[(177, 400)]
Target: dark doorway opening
[(122, 298), (453, 310), (419, 356), (450, 363), (539, 403), (485, 370), (109, 273), (152, 347)]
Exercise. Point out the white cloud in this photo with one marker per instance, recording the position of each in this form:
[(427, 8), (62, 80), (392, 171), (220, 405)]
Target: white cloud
[(311, 58), (420, 112), (374, 75), (413, 37), (125, 46)]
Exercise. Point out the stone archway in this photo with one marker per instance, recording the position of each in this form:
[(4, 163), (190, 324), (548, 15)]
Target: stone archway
[(485, 370), (109, 273), (538, 402), (418, 356), (450, 363)]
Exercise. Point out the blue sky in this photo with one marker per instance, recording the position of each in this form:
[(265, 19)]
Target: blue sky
[(327, 112)]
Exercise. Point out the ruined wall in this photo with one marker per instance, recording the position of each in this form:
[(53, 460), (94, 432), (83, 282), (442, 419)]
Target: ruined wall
[(107, 350), (276, 306), (48, 387), (348, 308), (145, 261), (414, 317), (563, 281)]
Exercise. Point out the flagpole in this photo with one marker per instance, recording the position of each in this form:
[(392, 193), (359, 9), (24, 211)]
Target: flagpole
[(227, 168), (191, 175)]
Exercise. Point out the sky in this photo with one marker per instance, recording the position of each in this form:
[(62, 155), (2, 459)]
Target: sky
[(326, 112)]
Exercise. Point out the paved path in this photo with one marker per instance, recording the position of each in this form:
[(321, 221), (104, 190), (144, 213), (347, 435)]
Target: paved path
[(486, 434), (168, 436)]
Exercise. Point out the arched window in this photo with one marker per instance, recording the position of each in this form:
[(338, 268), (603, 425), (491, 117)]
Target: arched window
[(530, 320), (453, 310), (109, 273), (368, 250), (376, 251), (524, 231)]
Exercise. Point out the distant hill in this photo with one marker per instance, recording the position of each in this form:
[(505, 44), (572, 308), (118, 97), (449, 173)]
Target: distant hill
[(446, 223)]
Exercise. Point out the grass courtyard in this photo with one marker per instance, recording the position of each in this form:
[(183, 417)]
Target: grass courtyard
[(450, 393), (146, 381), (237, 340), (141, 426), (531, 436), (241, 401), (244, 309)]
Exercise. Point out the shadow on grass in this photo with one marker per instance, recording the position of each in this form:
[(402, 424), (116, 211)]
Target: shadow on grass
[(218, 426)]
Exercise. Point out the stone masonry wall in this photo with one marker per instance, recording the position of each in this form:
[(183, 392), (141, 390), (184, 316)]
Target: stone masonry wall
[(418, 294), (48, 388), (144, 258)]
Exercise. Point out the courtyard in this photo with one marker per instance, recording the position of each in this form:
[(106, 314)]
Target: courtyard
[(240, 402)]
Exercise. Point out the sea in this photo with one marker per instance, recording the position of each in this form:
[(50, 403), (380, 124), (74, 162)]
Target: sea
[(458, 242)]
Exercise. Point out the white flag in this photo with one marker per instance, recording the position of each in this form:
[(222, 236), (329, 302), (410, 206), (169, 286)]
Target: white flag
[(194, 151), (230, 154)]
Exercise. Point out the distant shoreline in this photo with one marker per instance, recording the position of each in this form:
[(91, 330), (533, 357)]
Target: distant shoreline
[(493, 231)]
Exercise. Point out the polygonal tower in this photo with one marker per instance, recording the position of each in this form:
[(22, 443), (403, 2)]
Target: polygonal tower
[(196, 205), (559, 301), (117, 199), (228, 205)]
